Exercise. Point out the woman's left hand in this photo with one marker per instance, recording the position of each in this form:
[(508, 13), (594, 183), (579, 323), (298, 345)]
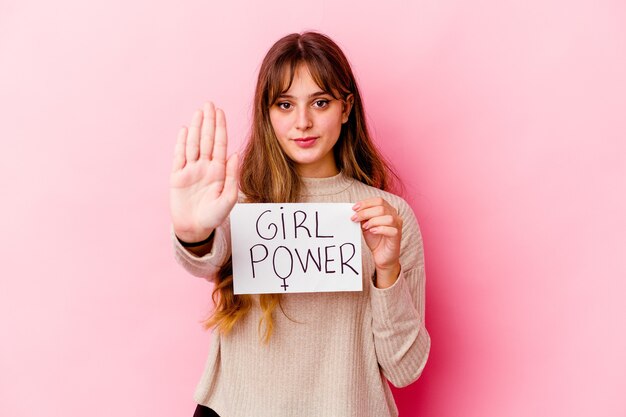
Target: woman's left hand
[(382, 231)]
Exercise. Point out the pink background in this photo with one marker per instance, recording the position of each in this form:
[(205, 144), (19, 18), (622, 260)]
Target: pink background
[(506, 121)]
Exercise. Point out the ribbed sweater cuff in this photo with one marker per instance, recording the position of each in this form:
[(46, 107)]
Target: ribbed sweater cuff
[(402, 342), (201, 266), (391, 304)]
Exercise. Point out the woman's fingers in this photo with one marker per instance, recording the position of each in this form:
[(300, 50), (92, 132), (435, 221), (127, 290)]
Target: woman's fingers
[(221, 139), (368, 213), (205, 139), (230, 184), (193, 137), (179, 150), (386, 220), (208, 131), (377, 217), (229, 195), (371, 202), (382, 230), (387, 231), (372, 207)]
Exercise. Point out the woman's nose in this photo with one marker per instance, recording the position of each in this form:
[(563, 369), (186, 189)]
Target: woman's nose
[(303, 121)]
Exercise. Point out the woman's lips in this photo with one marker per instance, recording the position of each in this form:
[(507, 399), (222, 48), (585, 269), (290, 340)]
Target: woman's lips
[(305, 142)]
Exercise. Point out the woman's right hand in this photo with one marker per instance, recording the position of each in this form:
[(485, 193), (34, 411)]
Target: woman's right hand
[(203, 184)]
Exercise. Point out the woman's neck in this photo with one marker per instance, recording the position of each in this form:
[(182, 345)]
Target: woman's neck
[(317, 171)]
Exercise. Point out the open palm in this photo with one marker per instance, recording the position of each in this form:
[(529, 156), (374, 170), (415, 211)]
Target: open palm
[(203, 184)]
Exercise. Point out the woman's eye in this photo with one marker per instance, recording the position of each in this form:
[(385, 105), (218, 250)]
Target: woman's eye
[(284, 105), (321, 103)]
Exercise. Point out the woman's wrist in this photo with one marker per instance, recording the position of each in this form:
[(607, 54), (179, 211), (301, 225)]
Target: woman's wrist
[(386, 277), (196, 244)]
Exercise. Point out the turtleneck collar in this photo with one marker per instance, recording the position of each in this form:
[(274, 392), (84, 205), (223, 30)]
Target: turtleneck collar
[(325, 186)]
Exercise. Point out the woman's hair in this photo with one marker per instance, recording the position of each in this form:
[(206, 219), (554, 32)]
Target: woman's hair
[(267, 174)]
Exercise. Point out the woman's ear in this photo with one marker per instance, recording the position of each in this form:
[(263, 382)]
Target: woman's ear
[(347, 107)]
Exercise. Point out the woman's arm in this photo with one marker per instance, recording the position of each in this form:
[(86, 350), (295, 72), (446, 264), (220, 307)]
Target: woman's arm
[(400, 336), (397, 290)]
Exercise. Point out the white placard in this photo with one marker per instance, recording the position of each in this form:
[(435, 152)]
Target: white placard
[(295, 247)]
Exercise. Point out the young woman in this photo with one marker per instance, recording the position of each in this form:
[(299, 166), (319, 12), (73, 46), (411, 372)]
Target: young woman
[(301, 354)]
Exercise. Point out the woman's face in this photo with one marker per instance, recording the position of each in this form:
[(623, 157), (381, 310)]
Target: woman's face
[(307, 122)]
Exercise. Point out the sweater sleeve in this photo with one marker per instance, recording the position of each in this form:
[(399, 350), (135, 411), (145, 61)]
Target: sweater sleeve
[(400, 336), (206, 266)]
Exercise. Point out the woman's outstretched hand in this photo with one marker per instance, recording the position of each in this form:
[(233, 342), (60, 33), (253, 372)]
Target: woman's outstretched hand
[(203, 184), (382, 231)]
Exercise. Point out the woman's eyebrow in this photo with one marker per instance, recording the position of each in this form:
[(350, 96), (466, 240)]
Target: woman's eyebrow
[(316, 94)]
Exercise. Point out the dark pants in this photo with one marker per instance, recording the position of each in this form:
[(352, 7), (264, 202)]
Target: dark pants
[(202, 411)]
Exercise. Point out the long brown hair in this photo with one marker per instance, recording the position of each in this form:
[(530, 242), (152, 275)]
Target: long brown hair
[(267, 175)]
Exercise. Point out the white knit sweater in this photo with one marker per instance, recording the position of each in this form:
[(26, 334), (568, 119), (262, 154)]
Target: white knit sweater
[(332, 353)]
